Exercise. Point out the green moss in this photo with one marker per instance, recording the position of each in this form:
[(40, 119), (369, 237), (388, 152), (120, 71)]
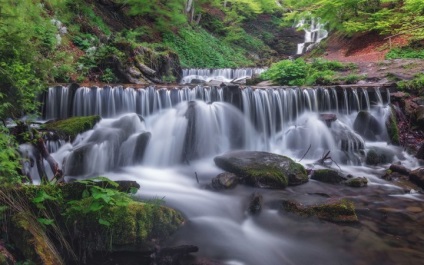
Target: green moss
[(357, 182), (392, 128), (327, 175), (339, 211), (267, 176), (73, 126)]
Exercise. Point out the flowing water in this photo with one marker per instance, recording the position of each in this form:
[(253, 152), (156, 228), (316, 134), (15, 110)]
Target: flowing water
[(315, 32), (225, 75), (166, 139)]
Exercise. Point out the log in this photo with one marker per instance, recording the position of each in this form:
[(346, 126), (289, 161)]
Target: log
[(57, 172), (145, 69)]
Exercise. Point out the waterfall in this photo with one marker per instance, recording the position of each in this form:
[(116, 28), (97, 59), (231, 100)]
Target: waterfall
[(165, 139), (225, 75), (162, 127), (314, 33)]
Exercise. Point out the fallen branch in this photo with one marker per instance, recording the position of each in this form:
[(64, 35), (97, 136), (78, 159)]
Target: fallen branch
[(306, 152)]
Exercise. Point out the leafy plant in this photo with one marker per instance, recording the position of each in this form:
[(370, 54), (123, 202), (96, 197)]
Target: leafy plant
[(95, 199), (108, 76)]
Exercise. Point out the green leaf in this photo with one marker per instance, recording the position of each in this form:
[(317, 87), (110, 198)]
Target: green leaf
[(45, 221), (104, 222), (95, 207)]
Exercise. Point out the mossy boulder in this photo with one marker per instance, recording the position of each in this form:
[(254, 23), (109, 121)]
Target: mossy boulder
[(337, 211), (136, 227), (70, 128), (357, 182), (262, 169), (327, 176)]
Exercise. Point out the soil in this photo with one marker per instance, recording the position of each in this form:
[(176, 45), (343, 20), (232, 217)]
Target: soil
[(368, 52)]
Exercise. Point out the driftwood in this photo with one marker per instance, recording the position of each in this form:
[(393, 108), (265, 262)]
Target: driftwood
[(57, 172), (326, 157)]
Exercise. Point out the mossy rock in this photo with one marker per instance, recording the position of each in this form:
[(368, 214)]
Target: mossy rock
[(337, 211), (70, 128), (378, 155), (327, 176), (262, 169), (357, 182), (138, 226), (392, 128)]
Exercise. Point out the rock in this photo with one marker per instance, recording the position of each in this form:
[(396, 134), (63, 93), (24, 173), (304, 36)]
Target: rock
[(367, 125), (262, 169), (328, 118), (392, 128), (419, 116), (419, 101), (327, 176), (142, 141), (71, 127), (420, 152), (197, 81), (338, 211), (379, 155), (417, 176), (399, 169), (255, 204), (224, 181), (357, 182)]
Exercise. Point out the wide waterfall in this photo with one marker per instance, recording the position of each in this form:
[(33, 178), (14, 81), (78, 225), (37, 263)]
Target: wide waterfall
[(166, 138)]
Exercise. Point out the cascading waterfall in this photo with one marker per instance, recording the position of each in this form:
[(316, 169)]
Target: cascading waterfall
[(314, 34), (222, 75), (166, 138)]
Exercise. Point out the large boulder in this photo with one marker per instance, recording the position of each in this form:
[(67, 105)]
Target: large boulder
[(262, 169), (367, 125)]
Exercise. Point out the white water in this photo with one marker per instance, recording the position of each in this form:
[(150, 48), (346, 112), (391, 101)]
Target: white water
[(314, 34), (225, 75), (187, 135)]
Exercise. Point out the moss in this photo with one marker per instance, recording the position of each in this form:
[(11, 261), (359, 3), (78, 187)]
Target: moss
[(327, 175), (372, 158), (392, 128), (133, 227), (73, 126), (339, 211), (268, 176), (357, 182)]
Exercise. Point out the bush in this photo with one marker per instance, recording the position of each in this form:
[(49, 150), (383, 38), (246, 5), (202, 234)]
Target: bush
[(406, 53)]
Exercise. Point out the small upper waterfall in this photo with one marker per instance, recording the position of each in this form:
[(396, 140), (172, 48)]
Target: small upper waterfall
[(222, 75), (314, 33)]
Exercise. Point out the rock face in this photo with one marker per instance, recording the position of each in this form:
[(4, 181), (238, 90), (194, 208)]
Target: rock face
[(328, 176), (338, 211), (262, 169), (378, 155), (367, 125)]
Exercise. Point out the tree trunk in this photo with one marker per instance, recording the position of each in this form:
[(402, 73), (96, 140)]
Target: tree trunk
[(41, 147)]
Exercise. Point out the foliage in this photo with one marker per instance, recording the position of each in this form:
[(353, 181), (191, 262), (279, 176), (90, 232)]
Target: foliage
[(95, 199), (108, 76), (416, 84), (197, 48), (407, 52), (9, 162), (298, 72), (353, 16)]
